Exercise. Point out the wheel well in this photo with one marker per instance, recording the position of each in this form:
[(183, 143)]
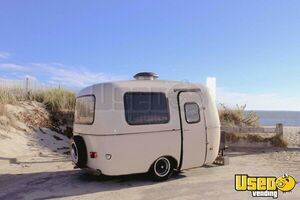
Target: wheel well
[(173, 161)]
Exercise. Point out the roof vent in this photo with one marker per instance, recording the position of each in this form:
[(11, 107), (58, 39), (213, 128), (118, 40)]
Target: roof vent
[(146, 76)]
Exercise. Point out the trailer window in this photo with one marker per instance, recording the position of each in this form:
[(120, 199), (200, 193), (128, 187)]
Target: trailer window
[(146, 108), (192, 114), (85, 110)]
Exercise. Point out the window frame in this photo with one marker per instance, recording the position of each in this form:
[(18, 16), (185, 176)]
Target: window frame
[(88, 95), (199, 114), (146, 123)]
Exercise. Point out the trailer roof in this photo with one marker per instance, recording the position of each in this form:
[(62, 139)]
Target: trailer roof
[(142, 85)]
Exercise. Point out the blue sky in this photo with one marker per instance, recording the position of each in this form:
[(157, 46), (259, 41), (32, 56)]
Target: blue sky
[(251, 47)]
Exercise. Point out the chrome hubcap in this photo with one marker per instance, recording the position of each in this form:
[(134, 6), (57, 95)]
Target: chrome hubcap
[(162, 167)]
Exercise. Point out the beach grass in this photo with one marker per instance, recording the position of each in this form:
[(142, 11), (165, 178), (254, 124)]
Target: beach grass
[(54, 99), (238, 117), (275, 140)]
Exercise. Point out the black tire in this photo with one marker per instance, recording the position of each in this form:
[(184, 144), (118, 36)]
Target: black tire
[(78, 151), (161, 169)]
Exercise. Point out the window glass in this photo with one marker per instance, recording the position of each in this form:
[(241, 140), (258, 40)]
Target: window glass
[(192, 114), (146, 108), (85, 110)]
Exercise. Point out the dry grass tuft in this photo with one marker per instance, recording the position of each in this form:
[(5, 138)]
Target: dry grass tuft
[(238, 117), (275, 141), (234, 137), (8, 96), (53, 99)]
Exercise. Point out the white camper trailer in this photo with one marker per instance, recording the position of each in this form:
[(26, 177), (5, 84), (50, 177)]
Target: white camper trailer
[(145, 125)]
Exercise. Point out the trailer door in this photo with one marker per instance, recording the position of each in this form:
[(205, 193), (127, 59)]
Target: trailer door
[(193, 130)]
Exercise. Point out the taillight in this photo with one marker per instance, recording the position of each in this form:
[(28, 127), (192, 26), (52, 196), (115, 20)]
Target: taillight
[(93, 154)]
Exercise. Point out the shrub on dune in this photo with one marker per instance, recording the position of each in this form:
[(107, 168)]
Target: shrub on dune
[(231, 117)]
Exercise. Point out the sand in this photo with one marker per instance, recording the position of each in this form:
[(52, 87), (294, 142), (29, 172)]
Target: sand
[(18, 140), (42, 173), (292, 135), (58, 180)]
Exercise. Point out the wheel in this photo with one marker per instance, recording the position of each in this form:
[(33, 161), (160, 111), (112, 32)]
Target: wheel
[(78, 151), (161, 169)]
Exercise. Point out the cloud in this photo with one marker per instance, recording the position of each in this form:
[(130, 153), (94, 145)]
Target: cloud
[(58, 74), (267, 101), (4, 55), (72, 76), (12, 67)]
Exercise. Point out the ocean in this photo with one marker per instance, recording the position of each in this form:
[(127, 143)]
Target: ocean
[(271, 118)]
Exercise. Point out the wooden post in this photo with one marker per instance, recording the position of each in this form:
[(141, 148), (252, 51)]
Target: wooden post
[(223, 141), (27, 85), (279, 130)]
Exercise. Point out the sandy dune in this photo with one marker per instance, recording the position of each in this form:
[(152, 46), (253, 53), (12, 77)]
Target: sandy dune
[(19, 139)]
